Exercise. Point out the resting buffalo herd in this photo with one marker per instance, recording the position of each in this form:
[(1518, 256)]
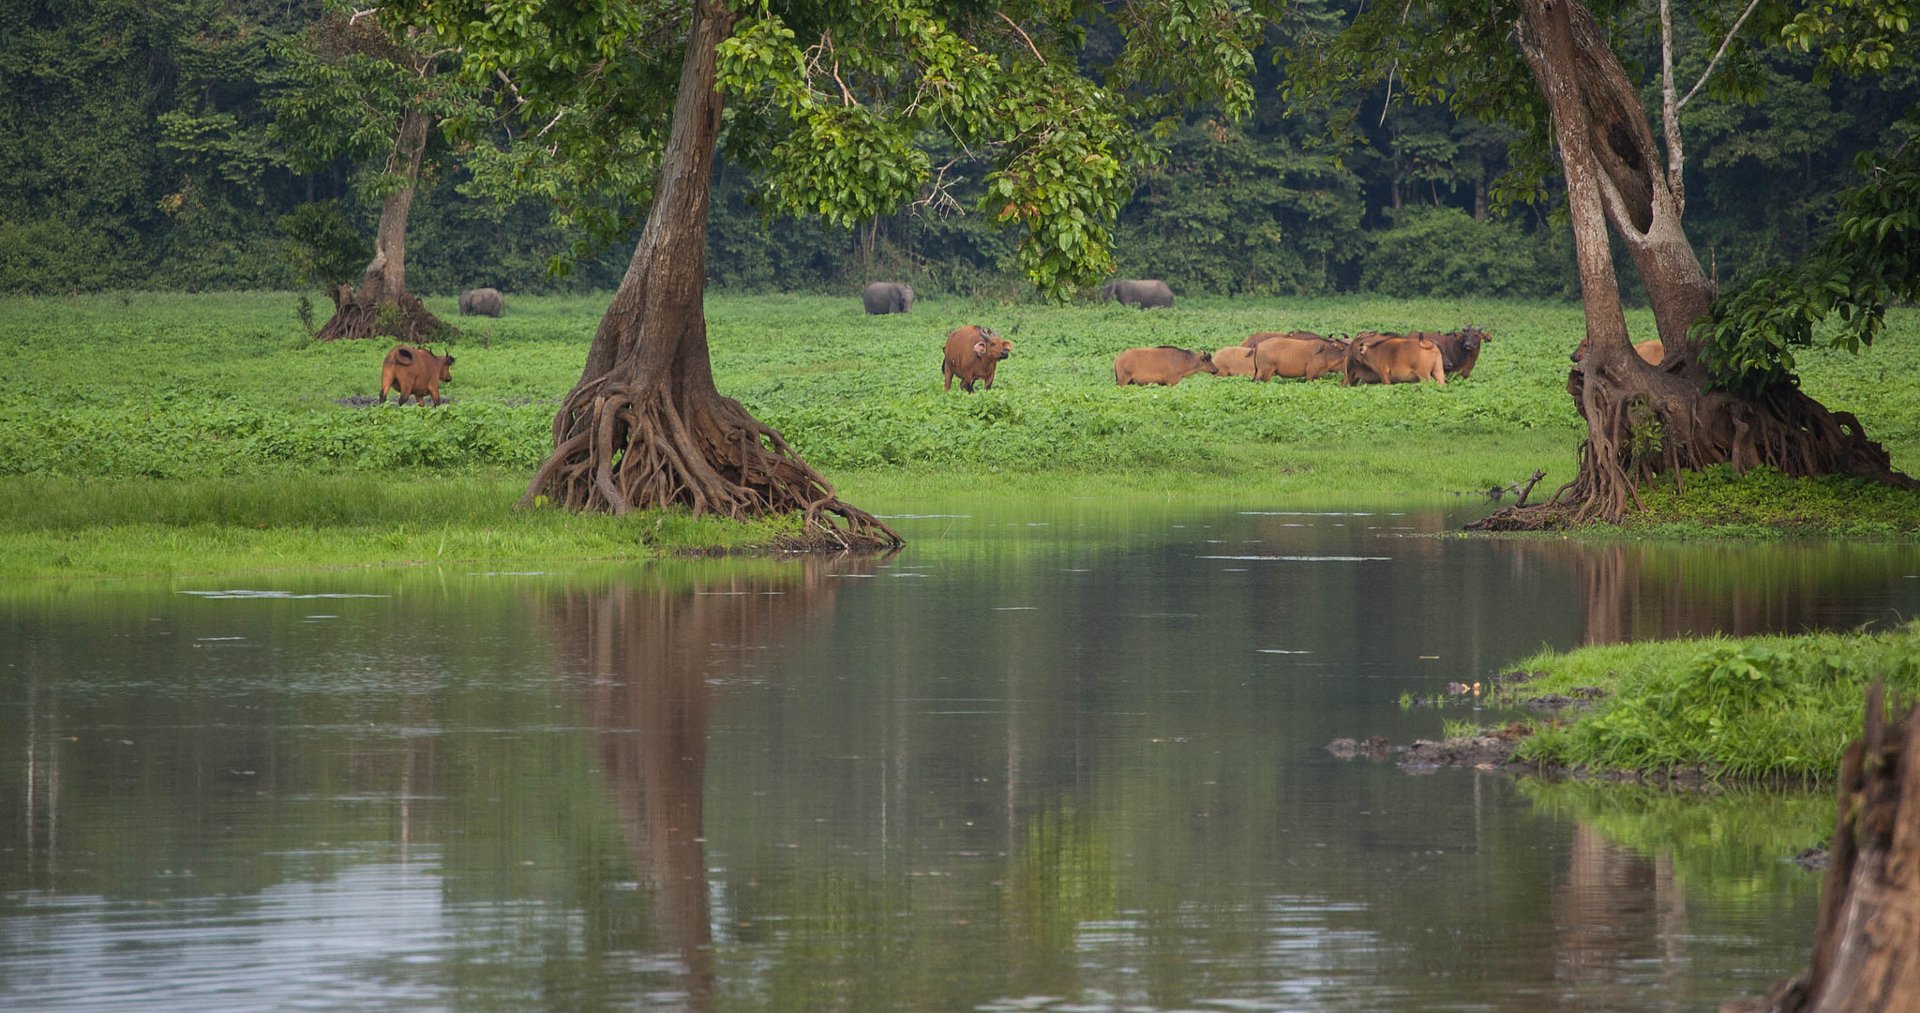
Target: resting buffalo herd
[(973, 352)]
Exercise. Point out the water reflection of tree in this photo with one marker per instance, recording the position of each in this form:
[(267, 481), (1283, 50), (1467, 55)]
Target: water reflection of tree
[(1637, 592), (650, 653), (1638, 854)]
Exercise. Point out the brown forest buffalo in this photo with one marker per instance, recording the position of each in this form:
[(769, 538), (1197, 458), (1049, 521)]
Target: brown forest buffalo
[(1233, 360), (1459, 350), (1395, 359), (973, 353), (415, 372), (1651, 350), (1165, 364), (1355, 371), (1306, 358), (1254, 340)]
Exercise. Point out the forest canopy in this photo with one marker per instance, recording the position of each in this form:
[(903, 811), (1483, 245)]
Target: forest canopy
[(142, 154)]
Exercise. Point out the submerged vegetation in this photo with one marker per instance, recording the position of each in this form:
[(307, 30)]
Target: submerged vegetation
[(151, 433)]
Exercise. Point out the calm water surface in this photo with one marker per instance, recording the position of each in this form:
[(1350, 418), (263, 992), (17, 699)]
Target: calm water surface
[(1064, 760)]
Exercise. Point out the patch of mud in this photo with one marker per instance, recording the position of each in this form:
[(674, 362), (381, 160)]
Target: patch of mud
[(1480, 752), (1495, 751)]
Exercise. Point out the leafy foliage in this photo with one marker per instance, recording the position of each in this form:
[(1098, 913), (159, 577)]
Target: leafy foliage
[(1869, 260), (1438, 251)]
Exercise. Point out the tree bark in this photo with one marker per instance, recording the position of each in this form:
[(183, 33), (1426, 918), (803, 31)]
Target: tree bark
[(1866, 947), (1645, 421), (645, 426), (382, 304)]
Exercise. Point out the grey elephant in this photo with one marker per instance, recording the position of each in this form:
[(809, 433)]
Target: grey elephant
[(888, 297), (1145, 293), (484, 302)]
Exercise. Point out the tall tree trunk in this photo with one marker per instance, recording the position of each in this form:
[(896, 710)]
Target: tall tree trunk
[(1866, 946), (645, 426), (1643, 420), (358, 313)]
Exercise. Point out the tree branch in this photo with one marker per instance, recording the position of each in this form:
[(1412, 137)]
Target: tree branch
[(1023, 36), (1670, 107), (1722, 51)]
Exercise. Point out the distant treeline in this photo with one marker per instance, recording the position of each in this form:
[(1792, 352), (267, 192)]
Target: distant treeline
[(138, 154)]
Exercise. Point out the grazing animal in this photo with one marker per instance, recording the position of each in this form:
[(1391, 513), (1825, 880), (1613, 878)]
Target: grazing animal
[(482, 302), (1145, 293), (1651, 350), (1165, 364), (888, 297), (1459, 350), (1395, 359), (973, 353), (415, 372), (1254, 340), (1308, 358), (1234, 360)]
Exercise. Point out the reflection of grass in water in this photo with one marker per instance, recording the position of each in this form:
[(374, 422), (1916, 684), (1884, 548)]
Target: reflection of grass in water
[(1753, 707), (1724, 844)]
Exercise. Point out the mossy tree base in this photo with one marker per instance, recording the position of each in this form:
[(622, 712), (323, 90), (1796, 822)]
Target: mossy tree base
[(620, 445), (364, 313), (1645, 422)]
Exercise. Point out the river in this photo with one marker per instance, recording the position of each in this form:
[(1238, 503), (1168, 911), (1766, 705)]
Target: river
[(1062, 756)]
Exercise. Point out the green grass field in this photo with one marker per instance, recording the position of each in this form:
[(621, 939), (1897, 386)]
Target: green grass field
[(210, 428)]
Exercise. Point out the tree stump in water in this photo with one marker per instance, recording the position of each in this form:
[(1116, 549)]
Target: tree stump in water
[(1866, 948)]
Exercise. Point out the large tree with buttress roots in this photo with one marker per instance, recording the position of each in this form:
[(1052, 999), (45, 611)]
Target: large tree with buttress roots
[(837, 109), (1724, 392), (377, 94)]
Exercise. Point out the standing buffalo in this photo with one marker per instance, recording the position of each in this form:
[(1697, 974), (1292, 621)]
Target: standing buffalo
[(888, 297), (1146, 293), (973, 353), (1165, 364), (1233, 360), (415, 372), (482, 302), (1308, 358), (1394, 358)]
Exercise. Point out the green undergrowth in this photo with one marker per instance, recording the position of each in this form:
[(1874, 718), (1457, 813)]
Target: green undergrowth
[(217, 399), (1754, 708), (58, 527), (1764, 504)]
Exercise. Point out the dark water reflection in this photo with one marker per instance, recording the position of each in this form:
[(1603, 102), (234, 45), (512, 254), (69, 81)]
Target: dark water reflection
[(1064, 759)]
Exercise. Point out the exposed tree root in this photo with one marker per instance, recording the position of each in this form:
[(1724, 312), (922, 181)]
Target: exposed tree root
[(1646, 423), (362, 314), (620, 447)]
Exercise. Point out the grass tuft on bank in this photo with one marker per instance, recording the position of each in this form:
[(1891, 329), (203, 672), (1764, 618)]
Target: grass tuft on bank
[(1740, 709), (66, 527)]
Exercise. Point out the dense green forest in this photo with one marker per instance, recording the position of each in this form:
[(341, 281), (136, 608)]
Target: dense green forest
[(148, 148)]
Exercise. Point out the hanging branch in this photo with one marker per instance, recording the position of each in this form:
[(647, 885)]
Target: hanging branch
[(1724, 43)]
